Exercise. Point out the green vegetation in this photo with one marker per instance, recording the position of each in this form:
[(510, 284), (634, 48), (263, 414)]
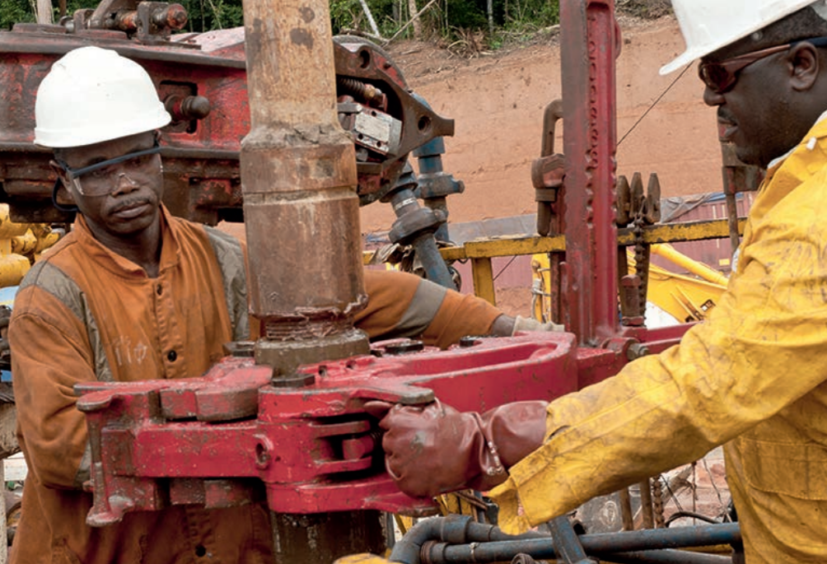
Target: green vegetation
[(204, 15), (12, 11), (448, 21)]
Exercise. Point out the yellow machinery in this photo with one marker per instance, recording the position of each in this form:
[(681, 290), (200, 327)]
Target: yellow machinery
[(20, 245), (685, 298)]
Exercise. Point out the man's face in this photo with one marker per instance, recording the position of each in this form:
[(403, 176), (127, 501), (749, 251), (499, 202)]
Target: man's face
[(119, 200), (753, 113)]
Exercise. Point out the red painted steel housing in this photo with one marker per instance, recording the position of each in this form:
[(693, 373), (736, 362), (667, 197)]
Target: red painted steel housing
[(200, 156)]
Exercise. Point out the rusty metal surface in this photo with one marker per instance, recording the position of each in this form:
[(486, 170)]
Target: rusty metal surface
[(208, 72), (547, 174), (289, 350), (299, 184), (328, 535), (200, 155), (637, 209), (738, 177), (589, 38), (386, 119)]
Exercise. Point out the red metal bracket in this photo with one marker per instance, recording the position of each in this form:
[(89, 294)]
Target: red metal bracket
[(231, 437), (213, 440)]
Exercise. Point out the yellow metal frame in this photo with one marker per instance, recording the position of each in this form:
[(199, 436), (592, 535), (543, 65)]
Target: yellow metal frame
[(685, 298), (481, 251)]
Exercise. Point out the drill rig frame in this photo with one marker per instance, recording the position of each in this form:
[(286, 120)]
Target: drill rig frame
[(298, 436)]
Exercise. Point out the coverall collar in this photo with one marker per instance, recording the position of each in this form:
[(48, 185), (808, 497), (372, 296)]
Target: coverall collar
[(120, 265), (777, 161)]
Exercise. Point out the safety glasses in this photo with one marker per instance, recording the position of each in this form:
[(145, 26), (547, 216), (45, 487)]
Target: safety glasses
[(98, 177), (721, 77)]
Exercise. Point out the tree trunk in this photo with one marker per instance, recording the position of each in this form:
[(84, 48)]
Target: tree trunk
[(417, 24), (44, 11), (371, 21)]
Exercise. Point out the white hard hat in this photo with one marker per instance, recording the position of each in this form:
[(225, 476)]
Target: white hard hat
[(93, 95), (708, 25)]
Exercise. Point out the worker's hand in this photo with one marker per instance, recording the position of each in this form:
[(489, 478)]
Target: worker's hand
[(530, 324), (507, 326), (435, 449)]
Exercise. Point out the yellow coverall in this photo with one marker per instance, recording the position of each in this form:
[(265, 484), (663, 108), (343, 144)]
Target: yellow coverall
[(752, 376), (84, 313)]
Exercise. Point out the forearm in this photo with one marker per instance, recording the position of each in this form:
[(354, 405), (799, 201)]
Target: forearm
[(51, 430), (59, 459), (403, 305)]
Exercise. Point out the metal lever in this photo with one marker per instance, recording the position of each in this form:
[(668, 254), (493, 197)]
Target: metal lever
[(566, 542)]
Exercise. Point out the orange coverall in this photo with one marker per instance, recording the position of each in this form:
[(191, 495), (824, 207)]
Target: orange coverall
[(84, 313)]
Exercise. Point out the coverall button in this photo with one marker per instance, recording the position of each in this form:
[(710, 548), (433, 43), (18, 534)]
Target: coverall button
[(200, 550), (171, 356)]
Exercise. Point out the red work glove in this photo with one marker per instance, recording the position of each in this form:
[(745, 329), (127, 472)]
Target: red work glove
[(435, 449)]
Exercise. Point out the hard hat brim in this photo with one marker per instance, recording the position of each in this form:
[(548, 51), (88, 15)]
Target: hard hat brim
[(63, 140), (691, 55)]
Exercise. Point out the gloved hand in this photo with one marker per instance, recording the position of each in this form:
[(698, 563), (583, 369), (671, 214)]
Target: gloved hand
[(435, 449), (530, 324), (507, 326)]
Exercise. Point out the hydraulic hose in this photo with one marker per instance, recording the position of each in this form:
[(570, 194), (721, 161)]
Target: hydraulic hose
[(457, 539)]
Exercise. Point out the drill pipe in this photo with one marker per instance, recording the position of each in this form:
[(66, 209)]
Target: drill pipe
[(298, 174)]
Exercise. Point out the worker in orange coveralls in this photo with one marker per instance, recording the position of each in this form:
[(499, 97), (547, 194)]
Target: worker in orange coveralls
[(133, 293), (753, 376)]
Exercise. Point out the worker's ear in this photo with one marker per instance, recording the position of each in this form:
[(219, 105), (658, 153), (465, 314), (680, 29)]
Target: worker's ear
[(804, 65), (62, 193)]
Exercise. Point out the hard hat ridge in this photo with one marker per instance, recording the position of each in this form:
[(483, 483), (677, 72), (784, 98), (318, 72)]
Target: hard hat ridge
[(93, 95), (820, 8), (709, 25)]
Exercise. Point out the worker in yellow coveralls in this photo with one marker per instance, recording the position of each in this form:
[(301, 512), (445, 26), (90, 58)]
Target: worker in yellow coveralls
[(133, 293), (752, 377)]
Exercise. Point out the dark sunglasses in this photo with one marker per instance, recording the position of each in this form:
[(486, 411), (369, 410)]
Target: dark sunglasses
[(721, 77)]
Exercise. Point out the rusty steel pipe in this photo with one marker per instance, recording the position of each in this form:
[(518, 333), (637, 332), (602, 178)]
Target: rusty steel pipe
[(173, 16), (298, 178), (298, 171)]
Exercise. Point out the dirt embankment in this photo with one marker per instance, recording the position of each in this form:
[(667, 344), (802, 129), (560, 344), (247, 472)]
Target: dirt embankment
[(497, 101)]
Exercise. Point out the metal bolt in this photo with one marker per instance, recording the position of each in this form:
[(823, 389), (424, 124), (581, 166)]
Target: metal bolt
[(240, 349), (405, 347), (636, 351), (294, 381), (470, 341)]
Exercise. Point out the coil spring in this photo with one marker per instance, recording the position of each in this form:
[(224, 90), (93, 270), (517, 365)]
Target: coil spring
[(357, 88)]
